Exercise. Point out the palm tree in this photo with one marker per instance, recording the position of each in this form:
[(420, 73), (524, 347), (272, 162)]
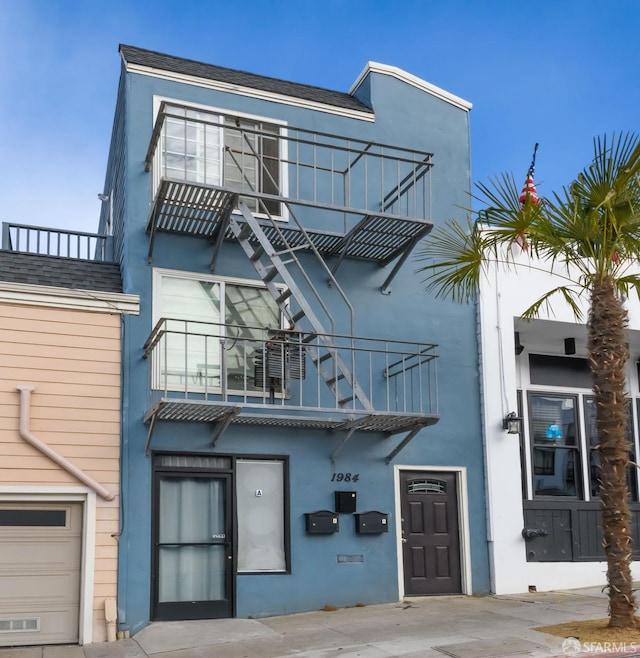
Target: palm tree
[(589, 236)]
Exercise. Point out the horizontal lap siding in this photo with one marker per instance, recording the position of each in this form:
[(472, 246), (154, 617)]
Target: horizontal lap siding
[(72, 358)]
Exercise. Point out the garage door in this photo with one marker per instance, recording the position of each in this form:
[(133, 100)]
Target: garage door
[(40, 556)]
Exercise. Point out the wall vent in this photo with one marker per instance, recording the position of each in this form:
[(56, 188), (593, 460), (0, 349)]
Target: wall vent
[(20, 625)]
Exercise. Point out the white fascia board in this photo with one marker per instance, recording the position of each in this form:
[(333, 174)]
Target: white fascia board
[(423, 85), (218, 85), (80, 300)]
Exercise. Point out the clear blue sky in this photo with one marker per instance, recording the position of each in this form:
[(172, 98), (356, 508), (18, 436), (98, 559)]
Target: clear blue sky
[(557, 72)]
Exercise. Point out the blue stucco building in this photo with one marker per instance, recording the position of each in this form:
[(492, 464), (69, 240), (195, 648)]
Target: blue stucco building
[(301, 421)]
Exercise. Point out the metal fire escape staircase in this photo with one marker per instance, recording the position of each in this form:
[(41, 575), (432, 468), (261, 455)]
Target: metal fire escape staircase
[(269, 264), (272, 248)]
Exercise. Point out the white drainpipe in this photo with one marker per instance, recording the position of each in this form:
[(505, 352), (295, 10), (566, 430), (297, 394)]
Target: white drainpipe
[(25, 415)]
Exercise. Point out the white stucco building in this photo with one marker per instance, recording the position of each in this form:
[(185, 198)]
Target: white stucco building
[(543, 481)]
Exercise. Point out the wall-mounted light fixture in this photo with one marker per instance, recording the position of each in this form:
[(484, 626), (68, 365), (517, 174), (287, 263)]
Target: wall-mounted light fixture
[(569, 346), (108, 198), (519, 346), (512, 423)]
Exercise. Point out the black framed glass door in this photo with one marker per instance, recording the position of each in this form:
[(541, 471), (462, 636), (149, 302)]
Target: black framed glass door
[(193, 551)]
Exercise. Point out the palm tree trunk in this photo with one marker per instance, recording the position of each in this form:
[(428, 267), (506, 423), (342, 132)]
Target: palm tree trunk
[(608, 356)]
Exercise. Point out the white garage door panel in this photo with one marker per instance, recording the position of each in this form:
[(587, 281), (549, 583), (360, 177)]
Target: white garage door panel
[(52, 622), (40, 557), (50, 587), (60, 555)]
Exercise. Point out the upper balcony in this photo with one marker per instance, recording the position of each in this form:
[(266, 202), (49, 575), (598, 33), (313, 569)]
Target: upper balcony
[(336, 195)]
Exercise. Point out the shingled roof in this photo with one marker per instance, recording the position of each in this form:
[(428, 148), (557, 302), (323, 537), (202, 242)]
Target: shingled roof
[(17, 267), (156, 60)]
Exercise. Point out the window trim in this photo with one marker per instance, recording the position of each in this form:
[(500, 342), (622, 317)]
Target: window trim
[(579, 448), (283, 144)]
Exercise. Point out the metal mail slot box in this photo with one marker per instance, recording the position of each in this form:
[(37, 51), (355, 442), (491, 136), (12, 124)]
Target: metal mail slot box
[(322, 522), (345, 502), (371, 523)]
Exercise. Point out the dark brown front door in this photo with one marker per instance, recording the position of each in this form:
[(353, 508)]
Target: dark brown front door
[(430, 533)]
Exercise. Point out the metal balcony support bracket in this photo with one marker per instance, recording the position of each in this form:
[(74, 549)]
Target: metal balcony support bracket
[(404, 443), (344, 248), (219, 237), (223, 423), (350, 426), (152, 424), (171, 410), (385, 288), (374, 238)]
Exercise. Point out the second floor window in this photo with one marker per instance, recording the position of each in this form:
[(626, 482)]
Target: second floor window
[(198, 146), (215, 330)]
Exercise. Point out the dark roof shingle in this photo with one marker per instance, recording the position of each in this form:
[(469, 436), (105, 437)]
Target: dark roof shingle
[(35, 269), (156, 60)]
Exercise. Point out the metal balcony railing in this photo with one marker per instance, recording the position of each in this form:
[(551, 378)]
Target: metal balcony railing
[(301, 166), (287, 378), (54, 242)]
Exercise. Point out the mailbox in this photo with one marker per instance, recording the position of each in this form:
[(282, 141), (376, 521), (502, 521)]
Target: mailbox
[(322, 522), (345, 502), (371, 523)]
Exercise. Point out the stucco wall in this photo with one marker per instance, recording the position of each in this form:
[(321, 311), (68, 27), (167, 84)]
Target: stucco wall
[(405, 116)]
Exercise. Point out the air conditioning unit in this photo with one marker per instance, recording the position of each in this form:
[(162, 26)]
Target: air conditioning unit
[(282, 358)]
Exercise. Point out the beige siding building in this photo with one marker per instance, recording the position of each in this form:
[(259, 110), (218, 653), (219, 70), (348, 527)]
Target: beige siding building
[(60, 406)]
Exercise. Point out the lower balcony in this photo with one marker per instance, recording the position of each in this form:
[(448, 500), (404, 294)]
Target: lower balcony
[(223, 374)]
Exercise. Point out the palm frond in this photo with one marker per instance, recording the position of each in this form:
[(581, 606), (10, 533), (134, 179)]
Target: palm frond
[(569, 295), (586, 233), (625, 284), (455, 257)]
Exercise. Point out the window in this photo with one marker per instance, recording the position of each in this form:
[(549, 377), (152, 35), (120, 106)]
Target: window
[(215, 331), (559, 371), (594, 455), (426, 487), (555, 445), (242, 154), (260, 499)]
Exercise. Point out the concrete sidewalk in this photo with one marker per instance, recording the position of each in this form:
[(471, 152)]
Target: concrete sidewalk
[(435, 627)]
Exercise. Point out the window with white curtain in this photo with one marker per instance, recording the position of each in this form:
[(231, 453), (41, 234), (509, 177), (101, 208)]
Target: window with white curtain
[(260, 508)]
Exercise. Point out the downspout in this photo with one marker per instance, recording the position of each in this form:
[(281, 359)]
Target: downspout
[(25, 415)]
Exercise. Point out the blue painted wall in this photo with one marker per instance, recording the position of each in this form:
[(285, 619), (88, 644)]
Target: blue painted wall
[(405, 116)]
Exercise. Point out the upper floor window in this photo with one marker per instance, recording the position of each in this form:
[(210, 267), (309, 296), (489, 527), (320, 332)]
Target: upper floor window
[(242, 154)]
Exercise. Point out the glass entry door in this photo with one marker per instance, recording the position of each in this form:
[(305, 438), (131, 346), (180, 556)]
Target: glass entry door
[(193, 554)]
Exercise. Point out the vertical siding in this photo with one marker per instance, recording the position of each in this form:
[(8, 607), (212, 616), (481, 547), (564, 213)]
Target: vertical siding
[(73, 360)]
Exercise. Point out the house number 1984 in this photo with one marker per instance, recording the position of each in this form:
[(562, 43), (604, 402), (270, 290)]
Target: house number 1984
[(345, 477)]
